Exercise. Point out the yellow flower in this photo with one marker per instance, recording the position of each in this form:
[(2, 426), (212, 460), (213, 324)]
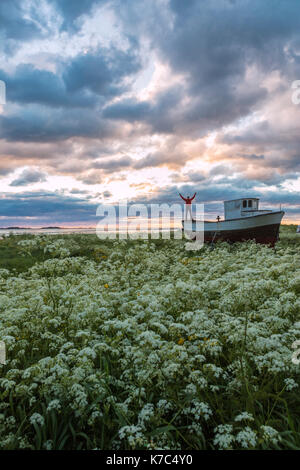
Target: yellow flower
[(180, 341), (106, 286)]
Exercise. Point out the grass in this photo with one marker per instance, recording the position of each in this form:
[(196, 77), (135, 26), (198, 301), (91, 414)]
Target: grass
[(12, 257), (41, 319)]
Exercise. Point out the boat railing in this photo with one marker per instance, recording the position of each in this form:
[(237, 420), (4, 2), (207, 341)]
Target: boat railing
[(255, 211)]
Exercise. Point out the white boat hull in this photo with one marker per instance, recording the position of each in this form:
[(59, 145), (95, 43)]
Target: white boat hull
[(263, 228)]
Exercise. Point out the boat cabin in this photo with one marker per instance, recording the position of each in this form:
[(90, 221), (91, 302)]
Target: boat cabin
[(238, 208)]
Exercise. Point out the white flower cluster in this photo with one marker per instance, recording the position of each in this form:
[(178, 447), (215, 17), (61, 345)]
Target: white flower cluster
[(143, 346)]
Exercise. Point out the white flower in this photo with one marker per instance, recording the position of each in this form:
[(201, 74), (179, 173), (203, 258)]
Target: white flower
[(48, 445), (54, 405), (244, 416), (36, 418), (224, 437), (145, 414), (133, 434), (246, 437), (270, 434), (290, 384), (162, 344)]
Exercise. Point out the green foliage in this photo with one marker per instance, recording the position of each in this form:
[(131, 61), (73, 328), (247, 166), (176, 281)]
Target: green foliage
[(140, 345)]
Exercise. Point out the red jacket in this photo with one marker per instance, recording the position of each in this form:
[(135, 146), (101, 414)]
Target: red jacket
[(188, 200)]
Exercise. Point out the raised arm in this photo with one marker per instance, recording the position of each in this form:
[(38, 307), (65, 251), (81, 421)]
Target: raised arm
[(193, 196), (182, 197)]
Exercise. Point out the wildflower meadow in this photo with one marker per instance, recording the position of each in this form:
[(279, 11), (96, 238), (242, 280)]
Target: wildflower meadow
[(143, 345)]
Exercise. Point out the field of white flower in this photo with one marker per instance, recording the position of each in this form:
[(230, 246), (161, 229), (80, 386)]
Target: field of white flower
[(143, 345)]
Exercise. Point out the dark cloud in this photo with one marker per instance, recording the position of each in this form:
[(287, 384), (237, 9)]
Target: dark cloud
[(31, 85), (212, 195), (114, 164), (128, 110), (162, 115), (93, 177), (54, 207), (213, 46), (87, 81), (196, 176), (5, 170), (252, 156), (84, 78), (222, 58), (72, 10), (215, 40), (46, 207), (78, 191), (102, 72), (29, 176), (170, 114), (278, 140), (37, 124), (206, 193), (220, 170), (161, 158), (14, 24)]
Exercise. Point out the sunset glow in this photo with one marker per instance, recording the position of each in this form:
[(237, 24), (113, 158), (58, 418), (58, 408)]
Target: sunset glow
[(115, 100)]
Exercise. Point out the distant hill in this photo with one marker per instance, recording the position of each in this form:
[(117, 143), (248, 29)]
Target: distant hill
[(30, 228), (15, 228)]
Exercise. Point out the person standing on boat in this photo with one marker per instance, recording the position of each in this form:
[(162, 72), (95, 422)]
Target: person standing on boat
[(188, 205)]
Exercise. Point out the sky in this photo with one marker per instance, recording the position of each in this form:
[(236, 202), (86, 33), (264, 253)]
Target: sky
[(110, 101)]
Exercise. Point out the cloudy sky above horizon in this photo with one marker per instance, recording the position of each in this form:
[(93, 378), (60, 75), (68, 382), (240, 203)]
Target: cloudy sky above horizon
[(114, 100)]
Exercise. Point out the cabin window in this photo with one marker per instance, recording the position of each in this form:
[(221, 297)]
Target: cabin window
[(244, 204), (249, 203)]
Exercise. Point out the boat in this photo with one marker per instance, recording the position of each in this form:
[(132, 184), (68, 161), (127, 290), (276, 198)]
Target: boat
[(243, 220)]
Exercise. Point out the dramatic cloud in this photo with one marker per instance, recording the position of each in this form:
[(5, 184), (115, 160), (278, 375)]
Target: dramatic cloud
[(29, 176), (36, 124), (14, 23), (102, 72), (40, 208), (31, 85), (113, 165), (71, 11), (140, 100)]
